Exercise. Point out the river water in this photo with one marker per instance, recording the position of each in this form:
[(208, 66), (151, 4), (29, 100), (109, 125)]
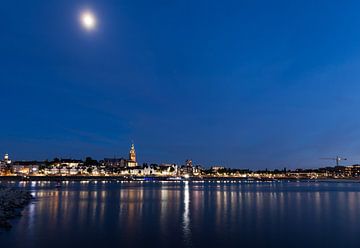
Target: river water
[(187, 214)]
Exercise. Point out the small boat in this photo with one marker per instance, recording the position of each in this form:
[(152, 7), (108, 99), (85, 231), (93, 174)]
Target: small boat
[(58, 185)]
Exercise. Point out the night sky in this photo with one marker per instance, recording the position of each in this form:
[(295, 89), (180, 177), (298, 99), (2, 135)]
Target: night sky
[(245, 83)]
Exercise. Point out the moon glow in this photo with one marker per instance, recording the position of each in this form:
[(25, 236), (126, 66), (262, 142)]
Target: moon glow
[(88, 20)]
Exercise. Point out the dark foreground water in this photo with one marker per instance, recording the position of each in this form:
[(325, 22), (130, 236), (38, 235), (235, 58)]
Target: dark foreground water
[(188, 214)]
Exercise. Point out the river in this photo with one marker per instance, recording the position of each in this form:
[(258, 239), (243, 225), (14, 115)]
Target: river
[(187, 214)]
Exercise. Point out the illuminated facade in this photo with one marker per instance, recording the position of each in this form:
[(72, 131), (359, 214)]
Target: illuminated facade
[(7, 159), (216, 168), (4, 163), (2, 167), (26, 167)]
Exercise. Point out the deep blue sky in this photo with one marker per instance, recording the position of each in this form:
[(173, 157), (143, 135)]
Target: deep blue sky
[(244, 83)]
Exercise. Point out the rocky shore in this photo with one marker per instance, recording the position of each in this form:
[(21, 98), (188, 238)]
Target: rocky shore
[(12, 201)]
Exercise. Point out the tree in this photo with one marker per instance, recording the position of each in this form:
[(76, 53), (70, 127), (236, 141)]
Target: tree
[(89, 161)]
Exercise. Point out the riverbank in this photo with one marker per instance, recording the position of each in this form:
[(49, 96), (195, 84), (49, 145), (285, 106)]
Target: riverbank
[(12, 201), (158, 178)]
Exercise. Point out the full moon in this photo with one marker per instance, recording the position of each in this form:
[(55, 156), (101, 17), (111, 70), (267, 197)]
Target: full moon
[(88, 20)]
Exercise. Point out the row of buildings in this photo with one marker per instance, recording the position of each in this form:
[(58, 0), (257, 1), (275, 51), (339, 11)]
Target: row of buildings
[(129, 167), (90, 167)]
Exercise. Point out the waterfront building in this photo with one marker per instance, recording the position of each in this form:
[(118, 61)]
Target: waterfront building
[(114, 163), (64, 167), (216, 168), (7, 159), (188, 163), (71, 163), (64, 171), (3, 167), (52, 171), (131, 164), (95, 172), (149, 170), (168, 169), (26, 167), (197, 170), (4, 164), (134, 171), (74, 171), (189, 169)]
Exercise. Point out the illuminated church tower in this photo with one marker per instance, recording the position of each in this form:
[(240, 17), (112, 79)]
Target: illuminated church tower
[(132, 153), (132, 157)]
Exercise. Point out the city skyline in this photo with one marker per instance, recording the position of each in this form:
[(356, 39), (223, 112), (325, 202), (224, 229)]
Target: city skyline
[(131, 161), (244, 84)]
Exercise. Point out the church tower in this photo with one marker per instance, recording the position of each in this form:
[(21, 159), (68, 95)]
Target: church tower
[(132, 153)]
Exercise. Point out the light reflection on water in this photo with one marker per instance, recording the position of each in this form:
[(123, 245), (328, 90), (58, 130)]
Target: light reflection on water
[(188, 214)]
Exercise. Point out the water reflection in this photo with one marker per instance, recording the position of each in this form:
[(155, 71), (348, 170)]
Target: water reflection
[(187, 214)]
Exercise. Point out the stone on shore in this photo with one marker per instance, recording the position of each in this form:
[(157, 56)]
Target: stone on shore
[(11, 203)]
